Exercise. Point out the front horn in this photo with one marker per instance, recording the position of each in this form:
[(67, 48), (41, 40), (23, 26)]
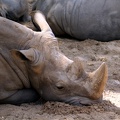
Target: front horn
[(98, 81)]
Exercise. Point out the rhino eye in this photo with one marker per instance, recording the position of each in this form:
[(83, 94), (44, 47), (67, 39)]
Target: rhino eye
[(59, 86)]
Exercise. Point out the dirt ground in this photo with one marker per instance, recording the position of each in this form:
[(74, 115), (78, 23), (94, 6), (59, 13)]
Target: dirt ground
[(92, 54)]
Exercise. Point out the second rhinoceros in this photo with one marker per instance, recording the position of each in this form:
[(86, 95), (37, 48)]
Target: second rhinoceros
[(83, 19), (32, 66)]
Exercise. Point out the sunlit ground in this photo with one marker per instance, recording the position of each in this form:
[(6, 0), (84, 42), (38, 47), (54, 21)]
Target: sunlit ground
[(113, 95)]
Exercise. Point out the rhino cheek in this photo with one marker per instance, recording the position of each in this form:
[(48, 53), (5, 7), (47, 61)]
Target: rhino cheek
[(48, 94)]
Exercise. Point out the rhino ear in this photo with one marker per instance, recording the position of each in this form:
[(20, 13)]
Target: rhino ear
[(75, 70), (23, 55)]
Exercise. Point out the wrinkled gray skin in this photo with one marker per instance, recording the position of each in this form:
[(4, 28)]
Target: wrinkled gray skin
[(82, 19), (16, 10), (32, 66)]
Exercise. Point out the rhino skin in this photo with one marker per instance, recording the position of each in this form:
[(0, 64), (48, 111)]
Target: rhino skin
[(33, 67), (82, 19), (16, 10)]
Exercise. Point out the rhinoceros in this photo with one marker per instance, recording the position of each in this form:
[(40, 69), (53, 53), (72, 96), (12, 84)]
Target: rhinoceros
[(16, 10), (82, 19), (33, 67)]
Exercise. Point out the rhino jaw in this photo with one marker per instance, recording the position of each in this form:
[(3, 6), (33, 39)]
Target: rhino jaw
[(98, 81)]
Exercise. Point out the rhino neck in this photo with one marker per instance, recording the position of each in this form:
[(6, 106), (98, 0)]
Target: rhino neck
[(16, 70)]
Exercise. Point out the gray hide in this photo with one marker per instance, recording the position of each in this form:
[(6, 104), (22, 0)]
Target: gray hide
[(83, 19), (16, 10), (32, 66)]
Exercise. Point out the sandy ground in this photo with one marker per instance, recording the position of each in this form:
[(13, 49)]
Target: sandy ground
[(92, 54)]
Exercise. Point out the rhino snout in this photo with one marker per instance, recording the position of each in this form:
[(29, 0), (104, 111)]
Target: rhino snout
[(80, 101)]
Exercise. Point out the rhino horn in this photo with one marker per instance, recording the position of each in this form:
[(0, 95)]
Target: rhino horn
[(75, 70), (98, 81)]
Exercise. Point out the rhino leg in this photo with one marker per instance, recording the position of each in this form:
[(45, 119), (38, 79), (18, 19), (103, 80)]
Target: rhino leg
[(22, 96), (40, 22)]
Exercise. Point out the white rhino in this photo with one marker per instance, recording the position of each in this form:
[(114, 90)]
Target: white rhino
[(32, 66), (82, 19)]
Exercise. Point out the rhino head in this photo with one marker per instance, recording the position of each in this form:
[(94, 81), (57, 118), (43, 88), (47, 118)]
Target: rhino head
[(57, 78), (73, 85)]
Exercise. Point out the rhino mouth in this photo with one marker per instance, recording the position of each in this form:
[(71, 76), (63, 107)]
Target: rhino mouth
[(82, 101)]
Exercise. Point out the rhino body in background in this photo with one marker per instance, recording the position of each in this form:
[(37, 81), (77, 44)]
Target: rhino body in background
[(82, 19), (16, 10), (32, 66)]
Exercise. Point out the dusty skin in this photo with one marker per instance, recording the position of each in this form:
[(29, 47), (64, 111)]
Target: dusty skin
[(92, 54)]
